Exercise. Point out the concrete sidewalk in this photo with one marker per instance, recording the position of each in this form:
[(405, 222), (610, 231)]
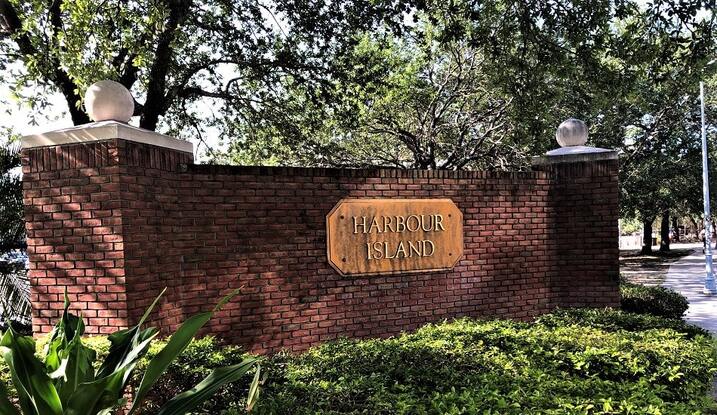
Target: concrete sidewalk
[(687, 277)]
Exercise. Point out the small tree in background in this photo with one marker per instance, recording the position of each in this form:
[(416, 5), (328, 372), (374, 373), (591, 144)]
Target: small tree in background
[(14, 286), (12, 226)]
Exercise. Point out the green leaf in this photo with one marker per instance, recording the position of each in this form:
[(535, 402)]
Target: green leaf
[(254, 390), (123, 342), (176, 345), (159, 363), (68, 360), (77, 362), (106, 392), (186, 401), (66, 329), (126, 346), (36, 392), (149, 309), (226, 299), (6, 407)]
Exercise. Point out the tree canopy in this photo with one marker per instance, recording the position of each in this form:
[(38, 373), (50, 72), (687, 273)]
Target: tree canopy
[(171, 53), (459, 84)]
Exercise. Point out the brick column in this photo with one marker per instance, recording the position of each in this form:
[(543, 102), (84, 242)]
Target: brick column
[(77, 195), (583, 231)]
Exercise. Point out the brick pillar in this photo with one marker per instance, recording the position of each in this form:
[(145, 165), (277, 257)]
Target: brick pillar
[(79, 190), (583, 232)]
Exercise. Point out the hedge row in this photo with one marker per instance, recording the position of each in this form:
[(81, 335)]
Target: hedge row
[(584, 361), (469, 366), (568, 362)]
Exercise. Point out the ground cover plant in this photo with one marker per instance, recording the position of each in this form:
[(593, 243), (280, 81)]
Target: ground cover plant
[(501, 367), (582, 361), (610, 319)]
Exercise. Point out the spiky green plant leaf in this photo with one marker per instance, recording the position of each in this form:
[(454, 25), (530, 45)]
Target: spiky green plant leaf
[(66, 384), (186, 401), (36, 392), (6, 407), (66, 358), (177, 343)]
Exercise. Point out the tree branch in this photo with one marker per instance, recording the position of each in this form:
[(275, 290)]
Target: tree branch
[(10, 21)]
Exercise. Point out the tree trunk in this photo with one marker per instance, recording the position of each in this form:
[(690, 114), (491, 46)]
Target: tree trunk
[(647, 236), (675, 230), (665, 232), (156, 104)]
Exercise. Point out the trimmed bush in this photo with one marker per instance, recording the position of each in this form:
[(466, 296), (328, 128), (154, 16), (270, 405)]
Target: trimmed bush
[(568, 362), (658, 301), (610, 319), (498, 367)]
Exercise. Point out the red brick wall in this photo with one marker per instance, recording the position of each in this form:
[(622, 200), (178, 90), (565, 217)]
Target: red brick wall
[(533, 240), (585, 203), (74, 234)]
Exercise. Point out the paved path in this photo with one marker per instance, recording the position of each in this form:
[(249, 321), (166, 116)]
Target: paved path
[(687, 276)]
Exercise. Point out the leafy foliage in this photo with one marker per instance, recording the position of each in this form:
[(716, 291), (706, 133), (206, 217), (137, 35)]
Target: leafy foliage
[(612, 320), (66, 381), (469, 366), (658, 301), (180, 56), (196, 362), (430, 84), (435, 108), (569, 362)]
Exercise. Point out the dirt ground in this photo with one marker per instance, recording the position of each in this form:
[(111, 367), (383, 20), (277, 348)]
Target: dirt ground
[(651, 269)]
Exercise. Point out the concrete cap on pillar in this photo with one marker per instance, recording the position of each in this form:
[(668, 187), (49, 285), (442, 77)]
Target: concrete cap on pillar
[(109, 100), (110, 105)]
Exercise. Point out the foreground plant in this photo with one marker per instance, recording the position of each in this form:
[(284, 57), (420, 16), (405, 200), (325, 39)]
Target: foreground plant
[(66, 382)]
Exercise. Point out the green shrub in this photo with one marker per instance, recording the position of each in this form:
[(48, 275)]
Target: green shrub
[(568, 362), (658, 301), (504, 367), (610, 319), (191, 366)]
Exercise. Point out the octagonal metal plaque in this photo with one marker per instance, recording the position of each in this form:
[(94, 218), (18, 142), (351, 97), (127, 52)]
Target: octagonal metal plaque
[(390, 236)]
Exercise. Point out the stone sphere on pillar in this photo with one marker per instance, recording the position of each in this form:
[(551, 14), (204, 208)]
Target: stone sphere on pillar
[(109, 100), (572, 133)]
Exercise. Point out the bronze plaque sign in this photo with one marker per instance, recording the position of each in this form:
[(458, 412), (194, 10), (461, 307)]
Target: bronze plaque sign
[(388, 236)]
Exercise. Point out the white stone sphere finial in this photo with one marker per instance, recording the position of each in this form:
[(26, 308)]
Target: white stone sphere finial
[(572, 133), (109, 100)]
